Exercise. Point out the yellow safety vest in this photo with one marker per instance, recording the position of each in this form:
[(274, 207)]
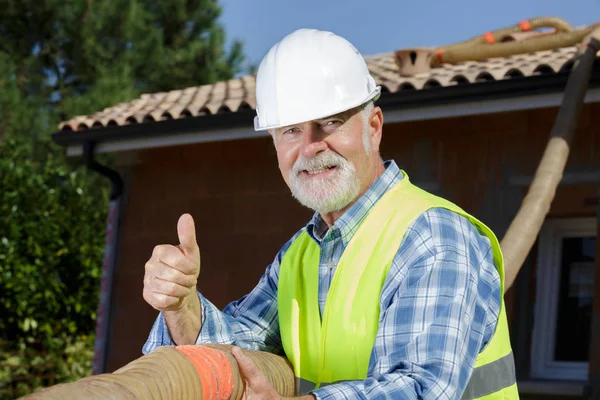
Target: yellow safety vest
[(339, 347)]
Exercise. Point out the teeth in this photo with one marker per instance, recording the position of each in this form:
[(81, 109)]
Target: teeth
[(317, 170)]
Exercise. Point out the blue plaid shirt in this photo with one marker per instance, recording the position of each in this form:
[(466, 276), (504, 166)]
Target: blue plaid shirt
[(439, 305)]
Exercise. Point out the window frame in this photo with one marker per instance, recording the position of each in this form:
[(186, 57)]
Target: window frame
[(543, 365)]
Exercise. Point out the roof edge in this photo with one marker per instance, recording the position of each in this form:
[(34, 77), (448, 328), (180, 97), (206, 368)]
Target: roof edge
[(406, 101)]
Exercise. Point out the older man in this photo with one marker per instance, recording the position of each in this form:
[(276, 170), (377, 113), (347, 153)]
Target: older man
[(388, 292)]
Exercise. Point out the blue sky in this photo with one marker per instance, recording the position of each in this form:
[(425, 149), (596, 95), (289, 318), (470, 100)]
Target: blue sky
[(384, 26)]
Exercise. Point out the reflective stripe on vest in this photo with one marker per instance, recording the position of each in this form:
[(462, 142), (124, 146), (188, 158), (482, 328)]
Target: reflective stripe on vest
[(304, 386), (490, 378), (338, 347), (485, 380)]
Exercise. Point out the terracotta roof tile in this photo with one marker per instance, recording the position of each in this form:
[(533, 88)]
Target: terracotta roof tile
[(239, 94)]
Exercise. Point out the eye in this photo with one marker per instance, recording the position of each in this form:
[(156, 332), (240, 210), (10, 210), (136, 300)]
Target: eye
[(291, 131), (331, 124)]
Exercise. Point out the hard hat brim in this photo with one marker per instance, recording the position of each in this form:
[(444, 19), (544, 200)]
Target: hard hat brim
[(373, 96)]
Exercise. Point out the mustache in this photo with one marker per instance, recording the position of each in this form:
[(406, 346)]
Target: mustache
[(320, 161)]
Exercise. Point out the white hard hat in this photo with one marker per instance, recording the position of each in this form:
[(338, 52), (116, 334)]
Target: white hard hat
[(308, 75)]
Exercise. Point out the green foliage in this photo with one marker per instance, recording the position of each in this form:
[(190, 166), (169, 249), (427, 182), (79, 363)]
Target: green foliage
[(58, 59), (77, 57), (52, 220), (52, 225), (25, 367)]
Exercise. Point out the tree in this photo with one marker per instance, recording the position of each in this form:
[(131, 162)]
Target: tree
[(58, 59), (77, 57), (51, 244)]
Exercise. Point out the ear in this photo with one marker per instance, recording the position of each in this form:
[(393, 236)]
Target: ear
[(376, 128)]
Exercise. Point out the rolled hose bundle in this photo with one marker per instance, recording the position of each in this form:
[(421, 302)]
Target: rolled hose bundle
[(479, 52), (559, 25), (183, 372), (525, 227)]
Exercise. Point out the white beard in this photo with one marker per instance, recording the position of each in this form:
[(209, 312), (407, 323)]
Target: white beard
[(329, 194)]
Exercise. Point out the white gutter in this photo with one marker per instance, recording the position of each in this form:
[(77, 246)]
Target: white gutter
[(484, 107), (418, 114), (172, 139)]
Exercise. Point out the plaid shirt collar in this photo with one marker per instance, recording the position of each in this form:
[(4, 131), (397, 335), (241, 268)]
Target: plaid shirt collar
[(349, 222)]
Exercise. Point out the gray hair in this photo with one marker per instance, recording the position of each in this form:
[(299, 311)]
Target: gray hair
[(365, 113)]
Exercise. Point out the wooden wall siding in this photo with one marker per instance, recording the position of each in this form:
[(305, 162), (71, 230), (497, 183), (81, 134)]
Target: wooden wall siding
[(473, 158), (244, 212), (243, 215)]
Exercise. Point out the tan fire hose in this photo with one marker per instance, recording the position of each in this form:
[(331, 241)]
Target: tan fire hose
[(178, 373), (525, 227), (210, 371), (480, 52), (558, 24)]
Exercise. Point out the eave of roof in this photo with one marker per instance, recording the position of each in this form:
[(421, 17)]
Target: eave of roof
[(238, 94), (235, 125)]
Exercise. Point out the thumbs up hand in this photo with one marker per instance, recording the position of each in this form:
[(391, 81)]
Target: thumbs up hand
[(172, 271)]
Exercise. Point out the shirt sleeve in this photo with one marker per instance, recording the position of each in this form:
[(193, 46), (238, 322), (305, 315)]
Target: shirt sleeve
[(439, 308), (251, 322)]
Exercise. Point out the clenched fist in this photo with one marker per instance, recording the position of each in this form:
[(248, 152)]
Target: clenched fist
[(172, 271)]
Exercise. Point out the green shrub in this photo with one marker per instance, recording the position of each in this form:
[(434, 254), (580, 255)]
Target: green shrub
[(52, 224), (25, 367)]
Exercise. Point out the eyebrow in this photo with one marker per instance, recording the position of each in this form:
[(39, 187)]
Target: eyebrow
[(345, 115), (342, 115)]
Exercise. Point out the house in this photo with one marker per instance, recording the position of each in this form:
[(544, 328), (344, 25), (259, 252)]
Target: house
[(472, 132)]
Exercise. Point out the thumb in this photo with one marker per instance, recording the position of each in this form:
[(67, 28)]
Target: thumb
[(186, 231), (257, 384), (248, 369)]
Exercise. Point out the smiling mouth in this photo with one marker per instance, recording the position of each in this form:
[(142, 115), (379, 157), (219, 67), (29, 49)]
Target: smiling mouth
[(318, 171)]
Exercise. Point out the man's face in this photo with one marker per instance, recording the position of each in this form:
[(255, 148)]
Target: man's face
[(328, 163)]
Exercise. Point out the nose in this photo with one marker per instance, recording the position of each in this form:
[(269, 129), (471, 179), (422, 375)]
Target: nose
[(313, 142)]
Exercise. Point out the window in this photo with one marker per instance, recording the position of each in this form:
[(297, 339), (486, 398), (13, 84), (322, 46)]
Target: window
[(563, 306)]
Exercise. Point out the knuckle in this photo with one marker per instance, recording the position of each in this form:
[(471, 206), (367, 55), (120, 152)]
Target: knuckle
[(160, 250), (149, 266), (149, 285), (170, 275), (162, 301), (181, 262), (171, 288), (153, 300)]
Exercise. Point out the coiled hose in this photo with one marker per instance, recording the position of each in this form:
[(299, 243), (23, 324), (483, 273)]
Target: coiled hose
[(183, 372), (480, 52), (559, 25), (525, 227)]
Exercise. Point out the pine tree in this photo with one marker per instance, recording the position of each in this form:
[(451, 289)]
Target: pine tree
[(58, 59), (69, 57)]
